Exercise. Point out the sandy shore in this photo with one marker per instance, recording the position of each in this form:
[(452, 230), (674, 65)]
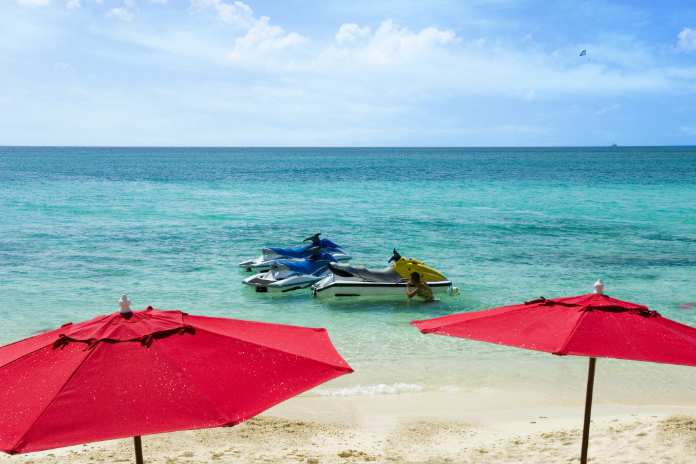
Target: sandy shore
[(414, 428)]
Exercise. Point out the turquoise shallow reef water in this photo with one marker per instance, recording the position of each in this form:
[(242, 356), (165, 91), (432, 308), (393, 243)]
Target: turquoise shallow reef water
[(81, 226)]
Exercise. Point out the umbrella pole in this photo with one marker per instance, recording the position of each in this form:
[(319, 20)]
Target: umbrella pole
[(588, 411), (137, 441)]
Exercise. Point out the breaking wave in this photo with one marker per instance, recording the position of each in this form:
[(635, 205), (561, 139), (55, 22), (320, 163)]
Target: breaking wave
[(371, 390)]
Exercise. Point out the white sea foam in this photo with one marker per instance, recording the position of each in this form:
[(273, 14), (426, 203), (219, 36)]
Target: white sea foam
[(371, 390)]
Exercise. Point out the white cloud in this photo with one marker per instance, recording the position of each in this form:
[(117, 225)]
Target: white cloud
[(263, 39), (392, 62), (686, 40), (365, 64), (398, 63), (351, 33), (33, 2), (120, 13), (236, 13), (391, 39), (389, 43), (72, 4)]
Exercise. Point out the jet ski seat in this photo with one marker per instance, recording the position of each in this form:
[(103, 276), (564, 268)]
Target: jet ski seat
[(305, 266), (385, 275), (291, 252)]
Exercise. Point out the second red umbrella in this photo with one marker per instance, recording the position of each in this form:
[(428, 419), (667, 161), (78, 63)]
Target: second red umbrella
[(593, 325), (145, 372)]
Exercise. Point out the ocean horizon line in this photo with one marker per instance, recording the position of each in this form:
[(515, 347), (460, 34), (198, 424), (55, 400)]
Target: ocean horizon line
[(437, 147)]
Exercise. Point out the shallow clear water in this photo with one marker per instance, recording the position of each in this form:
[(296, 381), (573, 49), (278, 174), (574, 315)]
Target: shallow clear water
[(81, 226)]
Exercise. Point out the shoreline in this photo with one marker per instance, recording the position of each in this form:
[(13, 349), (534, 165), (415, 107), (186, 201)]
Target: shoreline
[(433, 427)]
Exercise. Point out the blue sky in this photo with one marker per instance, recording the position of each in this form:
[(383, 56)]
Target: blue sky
[(438, 73)]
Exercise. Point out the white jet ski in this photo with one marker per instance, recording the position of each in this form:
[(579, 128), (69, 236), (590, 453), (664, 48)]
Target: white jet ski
[(350, 281), (270, 255), (287, 275)]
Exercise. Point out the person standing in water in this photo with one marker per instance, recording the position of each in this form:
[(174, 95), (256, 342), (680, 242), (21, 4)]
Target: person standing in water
[(416, 287)]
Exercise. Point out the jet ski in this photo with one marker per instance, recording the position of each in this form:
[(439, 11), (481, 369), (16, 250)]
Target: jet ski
[(272, 254), (292, 274), (350, 281)]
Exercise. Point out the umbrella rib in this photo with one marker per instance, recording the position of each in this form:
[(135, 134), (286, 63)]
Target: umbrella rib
[(225, 420), (43, 345), (564, 346), (55, 396), (343, 368), (272, 404), (478, 318), (25, 354), (678, 334)]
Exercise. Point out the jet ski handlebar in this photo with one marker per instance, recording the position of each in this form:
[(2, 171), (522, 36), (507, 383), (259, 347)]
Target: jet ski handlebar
[(313, 238), (395, 256)]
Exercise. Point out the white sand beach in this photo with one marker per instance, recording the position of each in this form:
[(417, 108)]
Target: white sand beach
[(425, 427)]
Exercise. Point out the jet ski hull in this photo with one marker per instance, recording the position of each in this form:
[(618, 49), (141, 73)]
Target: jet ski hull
[(331, 288), (264, 282), (262, 263)]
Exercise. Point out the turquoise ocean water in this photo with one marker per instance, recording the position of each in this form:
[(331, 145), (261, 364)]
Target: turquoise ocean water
[(81, 226)]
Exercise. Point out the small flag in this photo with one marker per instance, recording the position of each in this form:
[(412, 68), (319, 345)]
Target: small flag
[(583, 53)]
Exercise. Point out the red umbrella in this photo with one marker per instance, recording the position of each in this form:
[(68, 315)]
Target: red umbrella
[(152, 371), (593, 325)]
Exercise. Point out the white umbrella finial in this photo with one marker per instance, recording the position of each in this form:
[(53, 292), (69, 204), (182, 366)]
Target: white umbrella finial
[(599, 287), (124, 304)]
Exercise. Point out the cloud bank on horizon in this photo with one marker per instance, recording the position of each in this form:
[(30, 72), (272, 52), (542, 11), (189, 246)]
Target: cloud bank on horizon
[(232, 72)]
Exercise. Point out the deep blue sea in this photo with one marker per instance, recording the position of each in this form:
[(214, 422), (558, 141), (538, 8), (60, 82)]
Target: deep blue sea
[(81, 226)]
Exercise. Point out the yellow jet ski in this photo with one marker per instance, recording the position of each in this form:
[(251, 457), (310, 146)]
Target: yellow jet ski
[(352, 281)]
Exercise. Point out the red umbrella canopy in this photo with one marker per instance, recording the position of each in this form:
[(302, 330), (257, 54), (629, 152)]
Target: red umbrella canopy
[(594, 325), (152, 371)]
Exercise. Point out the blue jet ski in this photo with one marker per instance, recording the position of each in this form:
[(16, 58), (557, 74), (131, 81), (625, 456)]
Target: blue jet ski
[(287, 275), (271, 255)]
